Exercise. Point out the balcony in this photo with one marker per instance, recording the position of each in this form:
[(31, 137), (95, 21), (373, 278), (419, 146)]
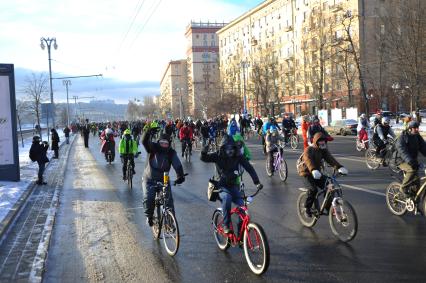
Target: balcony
[(336, 7)]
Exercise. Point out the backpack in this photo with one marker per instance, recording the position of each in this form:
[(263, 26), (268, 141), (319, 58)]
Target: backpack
[(33, 155), (300, 164)]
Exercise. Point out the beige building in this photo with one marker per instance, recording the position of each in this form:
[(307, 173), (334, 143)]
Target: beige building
[(173, 100), (301, 55), (203, 72)]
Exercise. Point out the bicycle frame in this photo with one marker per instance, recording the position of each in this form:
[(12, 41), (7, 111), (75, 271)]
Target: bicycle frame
[(277, 159), (331, 188)]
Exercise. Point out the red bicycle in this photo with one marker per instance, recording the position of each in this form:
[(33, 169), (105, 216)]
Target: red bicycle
[(250, 235)]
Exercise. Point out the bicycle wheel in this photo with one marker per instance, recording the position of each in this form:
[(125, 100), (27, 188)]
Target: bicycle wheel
[(156, 227), (346, 226), (301, 211), (371, 160), (268, 168), (129, 177), (221, 239), (283, 170), (256, 248), (294, 141), (170, 233), (395, 200)]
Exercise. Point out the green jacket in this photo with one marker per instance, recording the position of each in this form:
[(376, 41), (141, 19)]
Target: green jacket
[(128, 146), (239, 139)]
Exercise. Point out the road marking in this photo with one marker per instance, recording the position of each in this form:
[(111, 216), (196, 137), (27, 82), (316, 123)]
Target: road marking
[(363, 190)]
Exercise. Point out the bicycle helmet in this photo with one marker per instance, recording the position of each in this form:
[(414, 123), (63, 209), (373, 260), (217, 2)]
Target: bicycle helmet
[(385, 120), (127, 132)]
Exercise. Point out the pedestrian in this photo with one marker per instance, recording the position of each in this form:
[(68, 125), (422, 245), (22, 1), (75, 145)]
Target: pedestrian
[(86, 133), (305, 127), (67, 134), (38, 152), (55, 142)]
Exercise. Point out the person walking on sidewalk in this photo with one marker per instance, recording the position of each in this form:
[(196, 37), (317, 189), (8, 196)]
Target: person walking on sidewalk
[(67, 134), (86, 133), (38, 152), (55, 142)]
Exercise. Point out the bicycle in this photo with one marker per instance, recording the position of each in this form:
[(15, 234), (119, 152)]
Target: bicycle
[(187, 153), (341, 214), (248, 133), (294, 139), (250, 234), (129, 174), (279, 164), (164, 219), (390, 157), (399, 203), (212, 145), (364, 144)]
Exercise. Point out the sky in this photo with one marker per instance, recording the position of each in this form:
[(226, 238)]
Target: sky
[(129, 42)]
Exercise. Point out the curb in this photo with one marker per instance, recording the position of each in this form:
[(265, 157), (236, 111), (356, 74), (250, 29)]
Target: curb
[(18, 207), (38, 265)]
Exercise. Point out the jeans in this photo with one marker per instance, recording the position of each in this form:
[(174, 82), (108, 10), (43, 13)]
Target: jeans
[(149, 192), (227, 196), (312, 185), (41, 167)]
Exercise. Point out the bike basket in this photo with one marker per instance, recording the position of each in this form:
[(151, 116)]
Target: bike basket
[(212, 191)]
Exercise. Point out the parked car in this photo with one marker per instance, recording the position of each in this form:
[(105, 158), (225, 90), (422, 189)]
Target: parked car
[(389, 114), (342, 127), (422, 113)]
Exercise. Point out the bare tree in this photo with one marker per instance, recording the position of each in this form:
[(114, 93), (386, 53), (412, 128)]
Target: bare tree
[(21, 110), (36, 89), (133, 111)]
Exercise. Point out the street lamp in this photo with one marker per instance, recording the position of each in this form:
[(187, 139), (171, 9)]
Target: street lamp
[(67, 83), (49, 42)]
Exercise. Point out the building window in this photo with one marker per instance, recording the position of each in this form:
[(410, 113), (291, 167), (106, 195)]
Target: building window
[(205, 36), (212, 43), (212, 36)]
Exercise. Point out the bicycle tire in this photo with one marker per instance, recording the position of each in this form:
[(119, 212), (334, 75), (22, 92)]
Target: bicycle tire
[(294, 141), (283, 170), (395, 201), (157, 219), (304, 219), (129, 176), (336, 224), (170, 230), (358, 146), (371, 159), (261, 245), (268, 169), (222, 240)]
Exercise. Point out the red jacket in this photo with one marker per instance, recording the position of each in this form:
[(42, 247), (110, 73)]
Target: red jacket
[(185, 133)]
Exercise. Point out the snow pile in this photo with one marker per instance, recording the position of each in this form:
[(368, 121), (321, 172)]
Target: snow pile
[(10, 192)]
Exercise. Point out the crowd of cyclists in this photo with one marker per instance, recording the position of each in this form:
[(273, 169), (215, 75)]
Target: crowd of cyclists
[(222, 142)]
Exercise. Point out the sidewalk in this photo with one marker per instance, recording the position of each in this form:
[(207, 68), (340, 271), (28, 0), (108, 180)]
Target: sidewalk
[(13, 195)]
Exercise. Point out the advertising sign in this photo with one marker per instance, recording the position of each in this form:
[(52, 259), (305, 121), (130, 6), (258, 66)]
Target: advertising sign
[(352, 113), (9, 160), (336, 114), (323, 117)]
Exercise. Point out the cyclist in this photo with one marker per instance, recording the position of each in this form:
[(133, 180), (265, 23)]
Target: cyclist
[(108, 142), (363, 126), (186, 136), (408, 146), (380, 137), (272, 139), (161, 157), (234, 132), (288, 125), (227, 161), (204, 130), (212, 132), (128, 149), (310, 168), (316, 127), (265, 128)]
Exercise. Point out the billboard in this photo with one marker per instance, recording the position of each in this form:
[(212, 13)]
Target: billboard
[(9, 157), (323, 117)]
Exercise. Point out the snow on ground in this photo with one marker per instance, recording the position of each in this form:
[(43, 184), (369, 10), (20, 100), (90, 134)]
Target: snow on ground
[(10, 192)]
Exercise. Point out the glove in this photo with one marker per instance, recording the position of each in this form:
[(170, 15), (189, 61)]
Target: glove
[(414, 164), (343, 171), (316, 174), (259, 186), (180, 180)]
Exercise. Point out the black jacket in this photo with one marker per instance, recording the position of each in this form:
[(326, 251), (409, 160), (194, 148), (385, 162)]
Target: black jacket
[(205, 131), (159, 160), (55, 140), (226, 167), (67, 132), (38, 152), (408, 146)]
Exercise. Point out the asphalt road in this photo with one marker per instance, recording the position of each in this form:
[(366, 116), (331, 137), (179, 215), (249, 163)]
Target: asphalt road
[(100, 232)]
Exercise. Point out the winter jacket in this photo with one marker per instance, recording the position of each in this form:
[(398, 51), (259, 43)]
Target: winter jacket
[(408, 146), (313, 155), (55, 140), (226, 167), (238, 139), (272, 141), (38, 152), (382, 132), (316, 128), (185, 133), (204, 131), (67, 132), (127, 146), (159, 160)]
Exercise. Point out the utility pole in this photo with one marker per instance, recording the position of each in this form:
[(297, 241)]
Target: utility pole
[(75, 102), (49, 42), (66, 83)]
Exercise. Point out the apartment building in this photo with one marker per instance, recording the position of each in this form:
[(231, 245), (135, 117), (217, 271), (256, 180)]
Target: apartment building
[(173, 100), (202, 61), (301, 55)]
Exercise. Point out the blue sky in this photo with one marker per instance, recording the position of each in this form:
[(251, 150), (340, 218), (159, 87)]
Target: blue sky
[(97, 36)]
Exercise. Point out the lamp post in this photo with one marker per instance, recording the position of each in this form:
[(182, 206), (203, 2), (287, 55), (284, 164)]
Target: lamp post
[(49, 42), (67, 83)]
